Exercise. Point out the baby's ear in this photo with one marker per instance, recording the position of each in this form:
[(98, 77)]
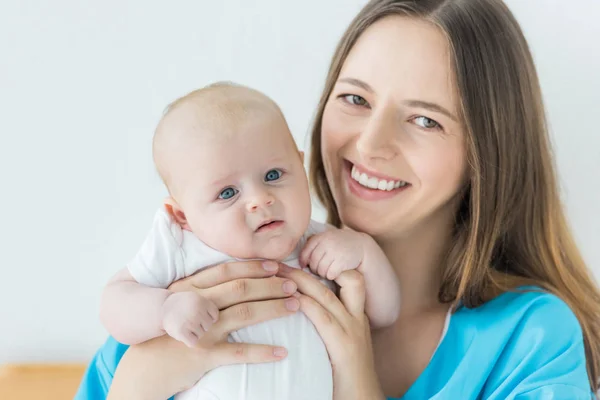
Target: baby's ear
[(176, 212)]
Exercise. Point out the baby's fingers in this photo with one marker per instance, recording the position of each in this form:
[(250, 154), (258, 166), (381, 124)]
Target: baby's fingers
[(317, 261), (325, 265), (197, 330), (188, 338), (334, 270), (213, 311), (206, 320), (307, 251)]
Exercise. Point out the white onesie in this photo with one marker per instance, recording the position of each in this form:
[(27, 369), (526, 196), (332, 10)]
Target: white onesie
[(170, 253)]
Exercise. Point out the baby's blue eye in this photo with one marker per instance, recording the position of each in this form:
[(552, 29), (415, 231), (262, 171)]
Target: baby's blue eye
[(228, 193), (273, 175)]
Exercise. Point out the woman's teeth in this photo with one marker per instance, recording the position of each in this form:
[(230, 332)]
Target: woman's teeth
[(374, 183)]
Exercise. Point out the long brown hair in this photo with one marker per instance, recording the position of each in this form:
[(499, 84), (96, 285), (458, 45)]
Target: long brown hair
[(511, 229)]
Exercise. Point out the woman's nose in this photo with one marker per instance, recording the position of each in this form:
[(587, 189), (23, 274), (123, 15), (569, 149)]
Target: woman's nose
[(259, 201), (377, 140)]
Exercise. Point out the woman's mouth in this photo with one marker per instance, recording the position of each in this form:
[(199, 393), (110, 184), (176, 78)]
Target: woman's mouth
[(372, 182), (370, 186)]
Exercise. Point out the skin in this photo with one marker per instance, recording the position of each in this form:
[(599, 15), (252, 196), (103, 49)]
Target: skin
[(234, 158), (233, 167), (246, 293), (387, 131), (225, 184)]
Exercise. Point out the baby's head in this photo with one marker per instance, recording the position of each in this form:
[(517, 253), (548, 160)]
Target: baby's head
[(234, 174)]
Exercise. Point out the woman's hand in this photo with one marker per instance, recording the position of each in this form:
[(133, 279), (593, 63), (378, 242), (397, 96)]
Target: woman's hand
[(345, 330), (246, 293)]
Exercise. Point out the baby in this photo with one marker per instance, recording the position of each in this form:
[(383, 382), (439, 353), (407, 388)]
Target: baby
[(238, 191)]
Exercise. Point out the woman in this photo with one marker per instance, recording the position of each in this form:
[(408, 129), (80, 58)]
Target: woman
[(497, 302)]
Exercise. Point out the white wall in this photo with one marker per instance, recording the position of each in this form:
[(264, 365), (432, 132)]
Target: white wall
[(81, 87)]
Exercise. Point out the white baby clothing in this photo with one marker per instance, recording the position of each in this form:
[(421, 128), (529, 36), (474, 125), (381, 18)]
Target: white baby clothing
[(170, 253)]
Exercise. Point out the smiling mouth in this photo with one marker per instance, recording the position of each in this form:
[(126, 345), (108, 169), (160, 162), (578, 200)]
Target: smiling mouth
[(369, 186), (372, 182), (269, 225)]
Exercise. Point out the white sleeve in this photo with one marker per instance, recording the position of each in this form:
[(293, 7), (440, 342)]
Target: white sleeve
[(160, 260), (315, 227)]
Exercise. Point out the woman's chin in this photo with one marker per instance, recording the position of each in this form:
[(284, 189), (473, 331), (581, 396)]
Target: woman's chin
[(365, 223)]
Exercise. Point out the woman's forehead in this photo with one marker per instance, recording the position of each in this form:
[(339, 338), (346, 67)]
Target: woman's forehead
[(406, 56)]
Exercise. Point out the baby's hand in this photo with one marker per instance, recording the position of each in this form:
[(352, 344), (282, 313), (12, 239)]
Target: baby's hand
[(187, 315), (330, 253)]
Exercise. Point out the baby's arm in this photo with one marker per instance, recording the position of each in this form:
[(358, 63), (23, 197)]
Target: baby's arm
[(330, 253), (133, 313), (381, 284), (130, 311)]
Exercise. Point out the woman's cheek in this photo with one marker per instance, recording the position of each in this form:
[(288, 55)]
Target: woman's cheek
[(334, 135)]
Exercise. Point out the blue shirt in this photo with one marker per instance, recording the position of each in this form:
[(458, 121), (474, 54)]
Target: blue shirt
[(518, 346)]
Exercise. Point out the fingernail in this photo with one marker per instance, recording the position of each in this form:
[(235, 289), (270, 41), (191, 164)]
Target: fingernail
[(270, 266), (289, 287), (279, 352), (292, 304)]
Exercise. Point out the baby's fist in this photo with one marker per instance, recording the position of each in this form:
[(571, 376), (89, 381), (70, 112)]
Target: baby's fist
[(187, 315), (330, 253)]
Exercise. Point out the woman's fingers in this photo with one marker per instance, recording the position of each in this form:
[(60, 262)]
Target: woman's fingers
[(246, 314), (313, 288), (243, 353), (352, 292), (243, 290), (222, 273), (325, 323)]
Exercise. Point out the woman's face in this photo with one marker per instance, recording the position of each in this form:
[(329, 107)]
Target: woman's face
[(392, 141)]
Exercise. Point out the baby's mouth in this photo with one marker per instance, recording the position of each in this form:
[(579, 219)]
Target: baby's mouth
[(269, 225)]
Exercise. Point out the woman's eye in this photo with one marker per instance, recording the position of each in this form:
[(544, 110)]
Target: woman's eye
[(273, 175), (426, 123), (355, 100), (227, 193)]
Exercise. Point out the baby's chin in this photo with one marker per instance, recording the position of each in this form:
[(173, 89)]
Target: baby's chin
[(277, 249)]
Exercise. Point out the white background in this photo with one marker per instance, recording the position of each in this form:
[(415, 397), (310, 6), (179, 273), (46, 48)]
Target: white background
[(82, 86)]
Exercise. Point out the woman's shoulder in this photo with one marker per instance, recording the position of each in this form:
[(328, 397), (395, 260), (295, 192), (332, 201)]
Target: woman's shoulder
[(528, 323), (531, 341), (525, 344), (528, 311)]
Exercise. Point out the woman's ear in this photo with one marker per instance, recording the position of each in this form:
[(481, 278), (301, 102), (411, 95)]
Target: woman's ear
[(301, 156), (176, 212)]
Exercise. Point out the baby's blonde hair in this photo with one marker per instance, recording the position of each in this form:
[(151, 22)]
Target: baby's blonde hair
[(214, 111), (231, 100)]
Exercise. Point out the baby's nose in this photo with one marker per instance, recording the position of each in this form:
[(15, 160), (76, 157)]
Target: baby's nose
[(265, 200)]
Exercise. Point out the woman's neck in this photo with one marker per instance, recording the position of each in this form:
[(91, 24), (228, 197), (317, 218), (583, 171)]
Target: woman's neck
[(417, 257)]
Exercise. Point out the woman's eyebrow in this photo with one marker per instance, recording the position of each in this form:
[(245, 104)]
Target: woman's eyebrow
[(357, 83), (431, 107)]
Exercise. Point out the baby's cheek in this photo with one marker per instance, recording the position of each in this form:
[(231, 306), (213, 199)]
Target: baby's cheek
[(213, 227), (298, 207), (236, 236)]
